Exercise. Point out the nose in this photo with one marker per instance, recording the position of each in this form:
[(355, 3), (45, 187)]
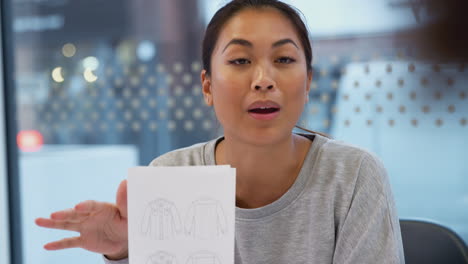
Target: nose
[(263, 80), (259, 87)]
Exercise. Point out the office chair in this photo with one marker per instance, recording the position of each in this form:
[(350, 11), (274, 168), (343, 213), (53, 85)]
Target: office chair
[(429, 243)]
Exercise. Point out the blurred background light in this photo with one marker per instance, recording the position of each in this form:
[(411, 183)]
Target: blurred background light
[(90, 63), (29, 140), (68, 50), (126, 52), (146, 50), (89, 76), (57, 75)]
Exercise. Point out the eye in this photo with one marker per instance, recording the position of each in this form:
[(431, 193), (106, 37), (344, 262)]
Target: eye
[(285, 60), (240, 61)]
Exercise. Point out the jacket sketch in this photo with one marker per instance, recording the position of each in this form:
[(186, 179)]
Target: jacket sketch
[(161, 257), (161, 220), (206, 219), (203, 258)]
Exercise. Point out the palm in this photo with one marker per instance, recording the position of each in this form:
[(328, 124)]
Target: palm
[(104, 231), (102, 226)]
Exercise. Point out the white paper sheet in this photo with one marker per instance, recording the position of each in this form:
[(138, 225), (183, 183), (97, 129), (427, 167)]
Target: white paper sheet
[(181, 215)]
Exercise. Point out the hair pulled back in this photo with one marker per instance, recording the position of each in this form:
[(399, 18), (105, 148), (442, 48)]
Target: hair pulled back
[(232, 8)]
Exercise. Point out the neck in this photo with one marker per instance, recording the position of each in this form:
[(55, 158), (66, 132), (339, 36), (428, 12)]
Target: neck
[(264, 172)]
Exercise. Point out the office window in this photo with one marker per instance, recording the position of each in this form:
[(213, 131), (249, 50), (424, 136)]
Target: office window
[(96, 96)]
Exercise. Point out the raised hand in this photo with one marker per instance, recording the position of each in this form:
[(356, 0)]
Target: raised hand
[(102, 226)]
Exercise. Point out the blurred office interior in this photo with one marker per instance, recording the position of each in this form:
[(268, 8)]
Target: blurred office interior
[(91, 88)]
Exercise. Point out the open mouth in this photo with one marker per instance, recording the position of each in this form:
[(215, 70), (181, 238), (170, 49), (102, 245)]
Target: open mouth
[(264, 110)]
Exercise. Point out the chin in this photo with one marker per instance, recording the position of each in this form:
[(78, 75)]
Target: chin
[(264, 136)]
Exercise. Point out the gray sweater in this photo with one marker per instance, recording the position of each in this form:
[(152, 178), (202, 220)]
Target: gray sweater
[(339, 210)]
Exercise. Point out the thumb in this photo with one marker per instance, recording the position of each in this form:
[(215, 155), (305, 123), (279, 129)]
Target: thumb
[(122, 198)]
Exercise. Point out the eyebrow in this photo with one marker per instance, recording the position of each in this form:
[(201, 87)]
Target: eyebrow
[(284, 42), (249, 44)]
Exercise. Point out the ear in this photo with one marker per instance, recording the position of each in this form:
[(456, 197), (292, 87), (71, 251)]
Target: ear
[(206, 88), (309, 83)]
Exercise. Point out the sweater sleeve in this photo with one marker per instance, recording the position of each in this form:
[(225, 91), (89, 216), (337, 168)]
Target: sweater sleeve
[(121, 261), (370, 232)]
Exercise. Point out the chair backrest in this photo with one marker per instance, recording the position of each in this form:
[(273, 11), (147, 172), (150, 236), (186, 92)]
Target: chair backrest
[(430, 243)]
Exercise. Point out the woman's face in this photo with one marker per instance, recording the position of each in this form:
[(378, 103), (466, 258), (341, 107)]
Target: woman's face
[(259, 81)]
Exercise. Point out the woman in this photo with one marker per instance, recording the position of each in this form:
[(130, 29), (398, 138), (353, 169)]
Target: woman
[(300, 198)]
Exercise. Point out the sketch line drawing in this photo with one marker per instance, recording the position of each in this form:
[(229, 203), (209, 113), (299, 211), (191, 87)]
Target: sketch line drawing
[(161, 220), (206, 220), (161, 257), (203, 257)]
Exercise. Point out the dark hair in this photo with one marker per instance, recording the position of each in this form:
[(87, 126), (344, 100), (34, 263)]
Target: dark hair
[(235, 6)]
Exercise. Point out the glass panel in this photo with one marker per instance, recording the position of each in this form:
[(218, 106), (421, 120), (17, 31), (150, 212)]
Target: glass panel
[(375, 87), (416, 121), (97, 96)]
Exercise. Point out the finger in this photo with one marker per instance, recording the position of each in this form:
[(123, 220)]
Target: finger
[(71, 242), (69, 214), (122, 198), (89, 206), (62, 225)]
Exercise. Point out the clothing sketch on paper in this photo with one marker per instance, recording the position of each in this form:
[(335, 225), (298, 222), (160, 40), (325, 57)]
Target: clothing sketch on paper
[(161, 220), (206, 219), (162, 257), (203, 257)]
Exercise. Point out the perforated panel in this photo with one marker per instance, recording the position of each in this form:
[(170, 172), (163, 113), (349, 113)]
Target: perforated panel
[(414, 116)]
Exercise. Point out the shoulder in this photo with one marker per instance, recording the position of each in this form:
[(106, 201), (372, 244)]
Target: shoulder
[(340, 151), (352, 165), (197, 154)]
